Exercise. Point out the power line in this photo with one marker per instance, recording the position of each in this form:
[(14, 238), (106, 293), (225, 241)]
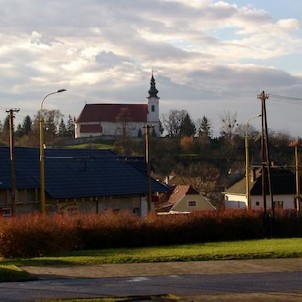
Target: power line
[(285, 99)]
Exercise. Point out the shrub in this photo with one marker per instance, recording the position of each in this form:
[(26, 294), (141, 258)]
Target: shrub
[(36, 235)]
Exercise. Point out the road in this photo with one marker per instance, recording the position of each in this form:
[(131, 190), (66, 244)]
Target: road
[(233, 280)]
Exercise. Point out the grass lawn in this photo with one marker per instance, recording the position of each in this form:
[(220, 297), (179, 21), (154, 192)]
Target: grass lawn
[(250, 249), (13, 273), (91, 146)]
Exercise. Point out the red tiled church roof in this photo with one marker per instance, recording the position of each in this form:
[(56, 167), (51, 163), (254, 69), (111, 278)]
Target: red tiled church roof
[(109, 112)]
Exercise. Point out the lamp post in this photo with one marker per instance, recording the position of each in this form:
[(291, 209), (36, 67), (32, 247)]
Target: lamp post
[(42, 158), (247, 163)]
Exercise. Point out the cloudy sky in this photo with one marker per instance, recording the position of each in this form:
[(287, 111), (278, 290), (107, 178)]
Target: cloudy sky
[(208, 57)]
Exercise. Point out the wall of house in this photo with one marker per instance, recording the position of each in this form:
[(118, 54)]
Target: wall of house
[(27, 201), (285, 202), (186, 204), (135, 205), (235, 201)]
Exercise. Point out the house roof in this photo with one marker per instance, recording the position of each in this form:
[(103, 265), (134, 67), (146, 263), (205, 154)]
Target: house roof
[(109, 112), (283, 182), (71, 173), (180, 191)]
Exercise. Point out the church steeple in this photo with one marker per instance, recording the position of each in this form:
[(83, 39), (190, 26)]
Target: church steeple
[(152, 91)]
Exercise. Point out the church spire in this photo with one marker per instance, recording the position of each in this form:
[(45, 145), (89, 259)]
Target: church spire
[(152, 91)]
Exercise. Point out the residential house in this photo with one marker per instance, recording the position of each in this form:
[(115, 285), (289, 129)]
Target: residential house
[(76, 180), (283, 190), (184, 199), (103, 119)]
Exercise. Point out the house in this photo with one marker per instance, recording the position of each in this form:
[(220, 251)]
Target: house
[(283, 190), (76, 180), (184, 199), (120, 119)]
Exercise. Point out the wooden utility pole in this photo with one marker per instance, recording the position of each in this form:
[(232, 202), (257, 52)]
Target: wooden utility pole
[(12, 157), (148, 166), (266, 166), (296, 145)]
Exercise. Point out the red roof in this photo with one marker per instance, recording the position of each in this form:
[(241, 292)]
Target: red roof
[(109, 112), (180, 191)]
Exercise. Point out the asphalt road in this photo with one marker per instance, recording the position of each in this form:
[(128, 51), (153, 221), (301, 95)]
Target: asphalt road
[(252, 280)]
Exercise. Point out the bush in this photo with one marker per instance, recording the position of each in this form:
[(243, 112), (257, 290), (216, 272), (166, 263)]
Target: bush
[(36, 235)]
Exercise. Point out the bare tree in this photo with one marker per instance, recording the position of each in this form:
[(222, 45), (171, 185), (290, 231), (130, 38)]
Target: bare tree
[(172, 122), (229, 124), (124, 118)]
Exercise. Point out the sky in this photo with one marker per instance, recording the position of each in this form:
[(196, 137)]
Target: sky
[(207, 57)]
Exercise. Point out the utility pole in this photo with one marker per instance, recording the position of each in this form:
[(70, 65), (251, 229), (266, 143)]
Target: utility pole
[(12, 157), (148, 166), (266, 162), (296, 145)]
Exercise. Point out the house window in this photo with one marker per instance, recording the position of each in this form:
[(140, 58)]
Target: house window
[(136, 211), (153, 108), (278, 204), (192, 203)]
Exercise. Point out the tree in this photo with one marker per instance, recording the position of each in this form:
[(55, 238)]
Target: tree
[(62, 129), (70, 126), (124, 118), (187, 143), (27, 125), (229, 124), (187, 127), (5, 131), (204, 127), (202, 176), (173, 121)]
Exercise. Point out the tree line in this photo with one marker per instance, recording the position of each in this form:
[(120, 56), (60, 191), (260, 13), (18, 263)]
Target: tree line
[(187, 152), (26, 134)]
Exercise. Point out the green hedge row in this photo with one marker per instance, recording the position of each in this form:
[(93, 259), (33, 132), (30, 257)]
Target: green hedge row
[(36, 235)]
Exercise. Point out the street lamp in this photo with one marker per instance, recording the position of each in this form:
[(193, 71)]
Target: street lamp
[(247, 163), (42, 158)]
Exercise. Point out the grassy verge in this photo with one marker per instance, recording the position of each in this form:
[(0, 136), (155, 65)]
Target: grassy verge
[(13, 273), (250, 249)]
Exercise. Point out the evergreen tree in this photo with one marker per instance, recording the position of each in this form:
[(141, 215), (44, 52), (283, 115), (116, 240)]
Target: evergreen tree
[(70, 127), (187, 127), (62, 128), (204, 127), (19, 131), (27, 125)]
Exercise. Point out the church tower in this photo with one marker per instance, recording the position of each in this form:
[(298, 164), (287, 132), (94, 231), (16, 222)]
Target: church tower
[(153, 107)]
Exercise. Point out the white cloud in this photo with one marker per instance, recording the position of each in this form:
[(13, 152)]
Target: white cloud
[(207, 56)]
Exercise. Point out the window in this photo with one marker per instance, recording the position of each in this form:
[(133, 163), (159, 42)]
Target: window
[(153, 108), (192, 203), (278, 204)]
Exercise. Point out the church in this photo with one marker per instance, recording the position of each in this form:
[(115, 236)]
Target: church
[(104, 119)]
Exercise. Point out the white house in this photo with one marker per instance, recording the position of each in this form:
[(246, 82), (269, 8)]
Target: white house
[(283, 191), (120, 119), (184, 199)]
